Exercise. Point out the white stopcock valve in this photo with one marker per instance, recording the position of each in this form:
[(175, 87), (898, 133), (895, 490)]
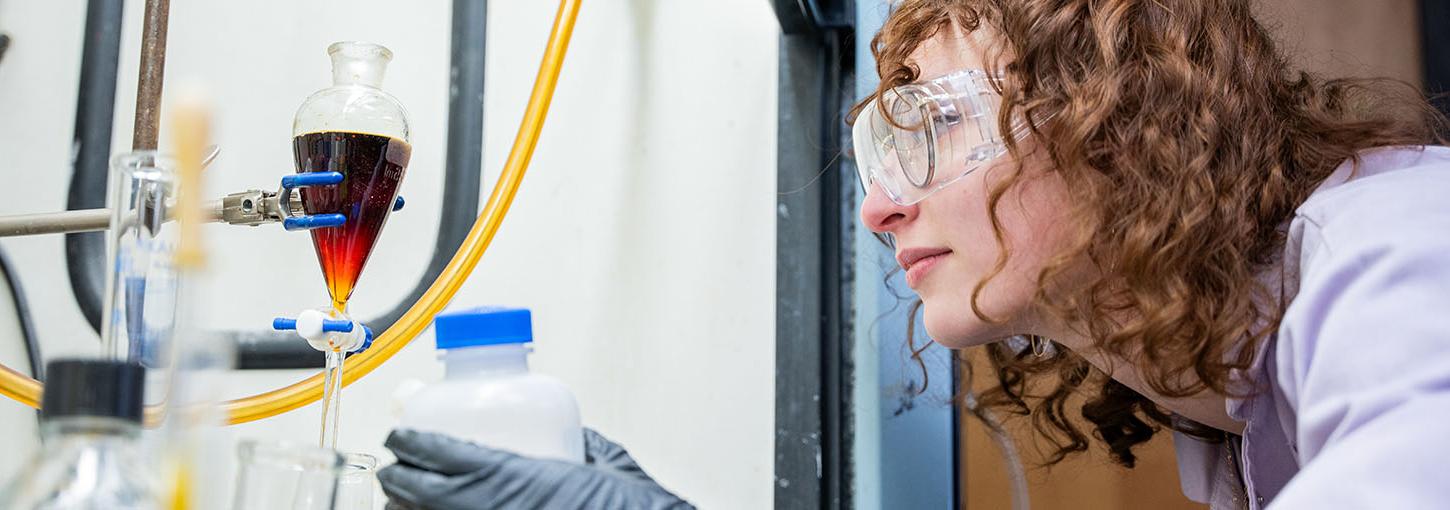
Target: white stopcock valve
[(326, 332)]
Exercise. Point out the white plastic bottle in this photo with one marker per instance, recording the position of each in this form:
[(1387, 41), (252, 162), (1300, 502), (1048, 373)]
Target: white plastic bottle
[(488, 396)]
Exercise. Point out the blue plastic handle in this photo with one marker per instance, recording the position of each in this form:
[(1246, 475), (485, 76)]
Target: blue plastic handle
[(328, 325), (314, 221), (367, 339), (332, 326), (398, 204), (311, 179)]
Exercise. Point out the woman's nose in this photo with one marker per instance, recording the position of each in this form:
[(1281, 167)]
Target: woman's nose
[(881, 215)]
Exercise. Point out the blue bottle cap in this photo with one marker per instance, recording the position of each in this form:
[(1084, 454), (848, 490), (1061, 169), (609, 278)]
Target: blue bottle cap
[(489, 325)]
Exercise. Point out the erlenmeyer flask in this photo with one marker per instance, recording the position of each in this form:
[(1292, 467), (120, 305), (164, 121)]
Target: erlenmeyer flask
[(356, 129)]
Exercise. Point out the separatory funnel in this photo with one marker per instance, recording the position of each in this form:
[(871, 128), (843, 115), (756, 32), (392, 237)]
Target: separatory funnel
[(356, 129), (351, 145)]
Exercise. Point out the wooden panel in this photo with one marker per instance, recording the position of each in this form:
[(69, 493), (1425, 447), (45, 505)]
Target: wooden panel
[(1349, 37), (1087, 481)]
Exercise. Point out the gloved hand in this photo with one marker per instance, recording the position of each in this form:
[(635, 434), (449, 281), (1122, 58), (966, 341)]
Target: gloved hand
[(437, 472)]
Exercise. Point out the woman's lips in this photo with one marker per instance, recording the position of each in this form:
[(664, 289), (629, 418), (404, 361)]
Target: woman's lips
[(919, 270), (920, 261)]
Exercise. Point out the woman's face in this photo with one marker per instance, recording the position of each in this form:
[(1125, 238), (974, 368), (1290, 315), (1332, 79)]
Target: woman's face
[(952, 230)]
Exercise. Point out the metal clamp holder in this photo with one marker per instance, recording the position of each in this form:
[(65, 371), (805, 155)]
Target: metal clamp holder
[(249, 208), (255, 207)]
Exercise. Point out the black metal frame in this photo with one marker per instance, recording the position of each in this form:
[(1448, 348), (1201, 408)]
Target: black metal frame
[(1435, 38), (262, 349), (814, 258)]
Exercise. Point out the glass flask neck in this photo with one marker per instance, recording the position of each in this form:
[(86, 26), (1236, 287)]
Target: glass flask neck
[(358, 63), (88, 426)]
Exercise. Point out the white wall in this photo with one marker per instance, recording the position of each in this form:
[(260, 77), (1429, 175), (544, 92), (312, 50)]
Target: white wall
[(643, 237)]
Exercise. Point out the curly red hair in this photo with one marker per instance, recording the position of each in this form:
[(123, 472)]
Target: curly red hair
[(1185, 140)]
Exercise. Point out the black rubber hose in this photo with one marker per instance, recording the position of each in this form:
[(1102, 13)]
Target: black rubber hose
[(95, 112), (22, 316), (463, 175), (464, 152)]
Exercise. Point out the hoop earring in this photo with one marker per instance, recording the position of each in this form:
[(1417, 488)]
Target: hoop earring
[(1039, 345)]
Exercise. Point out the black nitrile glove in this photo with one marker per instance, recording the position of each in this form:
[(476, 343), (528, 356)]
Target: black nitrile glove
[(437, 472)]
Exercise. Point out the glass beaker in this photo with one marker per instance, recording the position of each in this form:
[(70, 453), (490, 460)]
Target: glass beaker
[(140, 306), (358, 482), (275, 476)]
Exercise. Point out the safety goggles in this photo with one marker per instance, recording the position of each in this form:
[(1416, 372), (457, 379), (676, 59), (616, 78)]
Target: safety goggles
[(928, 135)]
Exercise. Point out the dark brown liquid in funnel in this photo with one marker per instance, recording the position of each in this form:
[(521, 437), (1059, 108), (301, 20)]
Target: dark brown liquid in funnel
[(372, 167)]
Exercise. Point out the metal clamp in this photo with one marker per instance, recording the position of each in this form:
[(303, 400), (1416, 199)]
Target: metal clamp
[(248, 208), (255, 207)]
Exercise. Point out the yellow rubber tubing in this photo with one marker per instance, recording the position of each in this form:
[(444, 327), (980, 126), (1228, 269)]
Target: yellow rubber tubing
[(27, 391)]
